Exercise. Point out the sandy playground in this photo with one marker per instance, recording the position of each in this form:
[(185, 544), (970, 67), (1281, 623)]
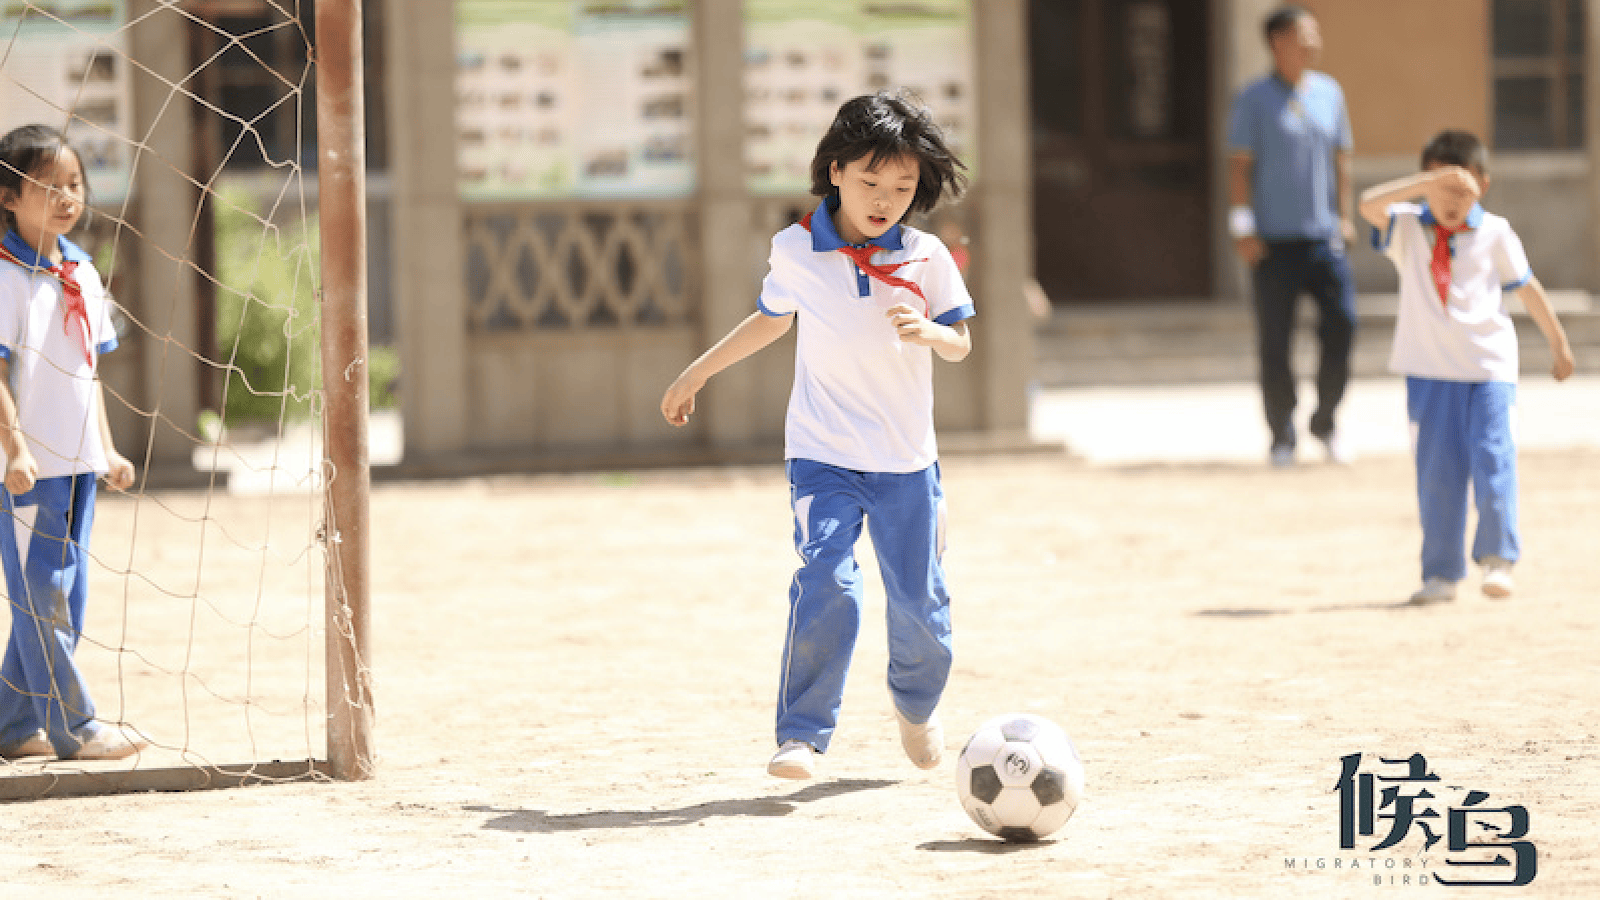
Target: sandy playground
[(575, 679)]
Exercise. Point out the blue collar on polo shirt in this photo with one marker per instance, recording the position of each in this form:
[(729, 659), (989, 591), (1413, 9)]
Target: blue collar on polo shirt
[(1474, 217), (825, 238), (28, 256)]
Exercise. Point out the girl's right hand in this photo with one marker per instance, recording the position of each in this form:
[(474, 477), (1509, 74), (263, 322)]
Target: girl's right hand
[(21, 472), (678, 403)]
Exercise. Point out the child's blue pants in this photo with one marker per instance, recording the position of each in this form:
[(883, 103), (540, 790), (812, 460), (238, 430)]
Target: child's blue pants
[(1463, 438), (47, 586), (904, 514)]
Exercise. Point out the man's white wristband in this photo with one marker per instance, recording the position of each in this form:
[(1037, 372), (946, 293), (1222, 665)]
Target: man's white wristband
[(1241, 222)]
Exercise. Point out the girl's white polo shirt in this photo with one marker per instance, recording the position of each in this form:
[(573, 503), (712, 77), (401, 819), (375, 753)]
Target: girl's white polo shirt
[(1470, 338), (52, 383), (862, 398)]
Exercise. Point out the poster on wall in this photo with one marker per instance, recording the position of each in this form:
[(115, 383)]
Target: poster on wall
[(804, 59), (64, 64), (573, 99)]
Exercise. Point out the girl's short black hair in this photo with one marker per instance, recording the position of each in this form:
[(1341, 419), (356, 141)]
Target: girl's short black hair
[(26, 151), (1453, 147), (884, 126)]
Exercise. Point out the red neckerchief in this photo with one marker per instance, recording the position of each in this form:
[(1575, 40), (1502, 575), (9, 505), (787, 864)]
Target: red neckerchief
[(862, 257), (1440, 265), (71, 296)]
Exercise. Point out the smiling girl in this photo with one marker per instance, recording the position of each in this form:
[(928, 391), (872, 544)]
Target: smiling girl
[(55, 321)]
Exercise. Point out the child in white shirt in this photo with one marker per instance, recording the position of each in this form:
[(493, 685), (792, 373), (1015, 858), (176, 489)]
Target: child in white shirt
[(1455, 343)]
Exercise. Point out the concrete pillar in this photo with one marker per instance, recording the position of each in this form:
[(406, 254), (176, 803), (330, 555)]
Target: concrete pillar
[(1238, 54), (1003, 331), (429, 284), (163, 209), (1246, 54), (728, 404), (1591, 126)]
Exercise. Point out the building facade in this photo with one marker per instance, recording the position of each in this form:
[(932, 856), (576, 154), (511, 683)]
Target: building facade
[(572, 199), (602, 211), (1130, 102)]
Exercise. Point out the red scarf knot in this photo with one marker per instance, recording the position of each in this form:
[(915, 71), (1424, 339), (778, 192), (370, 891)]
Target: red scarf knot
[(862, 257), (71, 297)]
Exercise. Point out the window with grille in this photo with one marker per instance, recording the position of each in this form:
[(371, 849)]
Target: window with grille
[(1538, 74)]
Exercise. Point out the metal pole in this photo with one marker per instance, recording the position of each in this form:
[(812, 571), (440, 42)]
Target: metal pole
[(341, 187)]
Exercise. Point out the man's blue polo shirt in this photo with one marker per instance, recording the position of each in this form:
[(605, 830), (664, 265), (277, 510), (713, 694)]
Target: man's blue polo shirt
[(1294, 135)]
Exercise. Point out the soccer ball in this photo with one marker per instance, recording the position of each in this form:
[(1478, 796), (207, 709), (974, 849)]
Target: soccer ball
[(1019, 777)]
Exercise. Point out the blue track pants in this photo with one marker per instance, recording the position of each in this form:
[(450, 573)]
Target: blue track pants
[(1319, 268), (1463, 437), (44, 546), (904, 513)]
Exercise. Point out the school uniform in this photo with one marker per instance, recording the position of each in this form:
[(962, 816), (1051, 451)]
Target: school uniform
[(861, 452), (1459, 356), (45, 548)]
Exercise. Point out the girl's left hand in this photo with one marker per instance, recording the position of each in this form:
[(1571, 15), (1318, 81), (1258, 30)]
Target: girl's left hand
[(1564, 364), (119, 475), (912, 326)]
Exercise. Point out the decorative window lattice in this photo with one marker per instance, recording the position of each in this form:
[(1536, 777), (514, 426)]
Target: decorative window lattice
[(577, 266)]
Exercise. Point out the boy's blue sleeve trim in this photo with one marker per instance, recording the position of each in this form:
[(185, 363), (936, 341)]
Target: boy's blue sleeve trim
[(106, 346), (1382, 236), (767, 312), (1513, 285), (5, 352), (952, 316)]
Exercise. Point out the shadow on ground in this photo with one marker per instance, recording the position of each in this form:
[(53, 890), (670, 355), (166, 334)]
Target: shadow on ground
[(538, 820), (1258, 612), (991, 846)]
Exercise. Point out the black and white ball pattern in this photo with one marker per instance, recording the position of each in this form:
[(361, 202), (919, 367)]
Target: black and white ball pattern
[(1020, 777)]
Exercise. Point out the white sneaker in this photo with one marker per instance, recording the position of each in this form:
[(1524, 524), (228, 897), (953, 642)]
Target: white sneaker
[(924, 744), (1435, 590), (1281, 456), (1497, 581), (36, 744), (793, 760), (109, 743), (1337, 449)]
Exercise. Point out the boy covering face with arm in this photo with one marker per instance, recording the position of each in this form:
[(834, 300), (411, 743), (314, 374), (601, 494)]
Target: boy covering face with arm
[(1456, 345)]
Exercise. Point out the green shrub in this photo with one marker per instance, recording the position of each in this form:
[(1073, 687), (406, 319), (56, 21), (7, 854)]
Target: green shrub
[(384, 368), (268, 329)]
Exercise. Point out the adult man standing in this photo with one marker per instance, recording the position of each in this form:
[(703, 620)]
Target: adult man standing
[(1291, 220)]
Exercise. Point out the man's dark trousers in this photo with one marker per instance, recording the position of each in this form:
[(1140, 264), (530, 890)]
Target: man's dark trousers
[(1319, 268)]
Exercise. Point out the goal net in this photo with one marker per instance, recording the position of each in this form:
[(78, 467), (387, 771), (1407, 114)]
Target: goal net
[(207, 635)]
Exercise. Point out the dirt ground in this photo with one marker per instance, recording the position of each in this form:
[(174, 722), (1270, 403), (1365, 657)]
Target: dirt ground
[(575, 680)]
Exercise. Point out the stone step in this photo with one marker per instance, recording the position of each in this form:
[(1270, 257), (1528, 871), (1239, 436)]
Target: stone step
[(1204, 341)]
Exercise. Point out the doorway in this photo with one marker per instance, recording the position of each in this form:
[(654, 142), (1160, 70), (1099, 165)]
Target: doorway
[(1121, 156)]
